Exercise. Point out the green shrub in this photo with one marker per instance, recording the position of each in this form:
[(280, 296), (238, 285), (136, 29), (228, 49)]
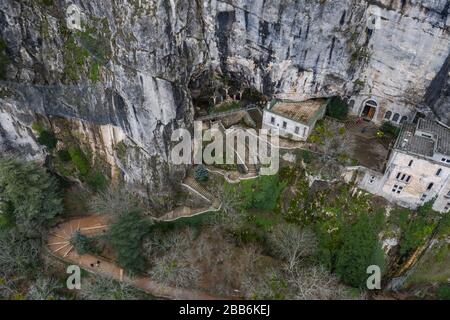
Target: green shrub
[(252, 95), (94, 72), (415, 230), (306, 156), (126, 235), (360, 249), (261, 193), (4, 60), (337, 108), (121, 150), (31, 194), (201, 174), (84, 244), (443, 292), (64, 155), (226, 106), (96, 180), (79, 159), (390, 129), (37, 127), (48, 139), (81, 243)]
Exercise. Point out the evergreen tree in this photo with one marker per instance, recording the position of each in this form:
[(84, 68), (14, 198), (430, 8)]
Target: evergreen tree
[(126, 235), (201, 174), (360, 249), (30, 195)]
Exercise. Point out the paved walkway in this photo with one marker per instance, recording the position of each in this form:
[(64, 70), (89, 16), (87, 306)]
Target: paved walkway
[(59, 246)]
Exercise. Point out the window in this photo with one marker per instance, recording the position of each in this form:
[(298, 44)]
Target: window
[(396, 117), (410, 163), (403, 177), (397, 189), (372, 179), (297, 129), (351, 104), (304, 132), (430, 186), (438, 173), (272, 120), (447, 195), (403, 119), (372, 103), (388, 115), (447, 207), (284, 124), (423, 197)]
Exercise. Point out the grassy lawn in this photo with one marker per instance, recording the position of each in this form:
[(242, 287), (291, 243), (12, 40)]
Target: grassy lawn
[(226, 106), (434, 267)]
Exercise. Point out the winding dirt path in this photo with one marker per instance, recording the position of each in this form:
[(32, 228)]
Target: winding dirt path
[(59, 246)]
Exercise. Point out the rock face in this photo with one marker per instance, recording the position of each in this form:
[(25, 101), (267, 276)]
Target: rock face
[(123, 78)]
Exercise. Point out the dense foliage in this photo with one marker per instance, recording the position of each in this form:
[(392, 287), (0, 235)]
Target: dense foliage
[(415, 228), (126, 235), (390, 129), (29, 203), (443, 292), (201, 174), (261, 193), (360, 249), (337, 108), (29, 194)]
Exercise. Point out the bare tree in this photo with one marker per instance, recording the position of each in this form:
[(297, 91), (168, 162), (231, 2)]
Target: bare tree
[(266, 285), (172, 263), (17, 255), (315, 283), (43, 289), (292, 243), (105, 288), (113, 201), (231, 215), (174, 269), (160, 243)]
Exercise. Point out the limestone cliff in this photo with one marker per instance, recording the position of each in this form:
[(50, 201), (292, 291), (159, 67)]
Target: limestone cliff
[(122, 81)]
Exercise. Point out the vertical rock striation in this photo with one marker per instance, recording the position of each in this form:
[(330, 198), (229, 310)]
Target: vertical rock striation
[(123, 79)]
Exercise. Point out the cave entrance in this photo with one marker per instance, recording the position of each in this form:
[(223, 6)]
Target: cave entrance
[(369, 110)]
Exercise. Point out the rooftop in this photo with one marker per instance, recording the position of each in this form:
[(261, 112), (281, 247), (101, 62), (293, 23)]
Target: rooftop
[(412, 140), (302, 112)]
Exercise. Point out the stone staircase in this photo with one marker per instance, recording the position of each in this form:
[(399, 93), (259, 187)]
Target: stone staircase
[(192, 184)]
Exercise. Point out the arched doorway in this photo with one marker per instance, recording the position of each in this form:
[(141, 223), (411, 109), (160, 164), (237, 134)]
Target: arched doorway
[(396, 117), (369, 109)]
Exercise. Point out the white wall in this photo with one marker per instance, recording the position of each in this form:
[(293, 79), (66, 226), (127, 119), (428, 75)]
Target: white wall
[(384, 105), (304, 130), (422, 172)]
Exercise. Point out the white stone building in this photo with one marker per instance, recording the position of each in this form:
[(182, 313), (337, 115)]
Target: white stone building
[(294, 119), (379, 110), (418, 169)]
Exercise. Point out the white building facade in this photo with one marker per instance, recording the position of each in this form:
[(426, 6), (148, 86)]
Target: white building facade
[(294, 120), (418, 169)]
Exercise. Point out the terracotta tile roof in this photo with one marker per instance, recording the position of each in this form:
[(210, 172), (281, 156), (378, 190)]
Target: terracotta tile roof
[(302, 112)]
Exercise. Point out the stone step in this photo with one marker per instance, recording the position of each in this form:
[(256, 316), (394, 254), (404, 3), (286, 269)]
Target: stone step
[(197, 187)]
